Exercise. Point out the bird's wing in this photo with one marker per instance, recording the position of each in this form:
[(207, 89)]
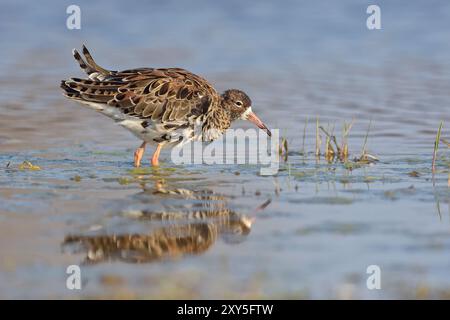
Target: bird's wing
[(162, 95)]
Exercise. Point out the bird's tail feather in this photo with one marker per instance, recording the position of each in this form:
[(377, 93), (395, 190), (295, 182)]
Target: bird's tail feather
[(101, 90), (90, 90), (93, 70)]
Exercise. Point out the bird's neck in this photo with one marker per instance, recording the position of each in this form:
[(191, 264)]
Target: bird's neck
[(216, 122)]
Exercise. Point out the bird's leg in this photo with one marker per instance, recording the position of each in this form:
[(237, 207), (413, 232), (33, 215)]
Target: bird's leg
[(138, 155), (155, 157)]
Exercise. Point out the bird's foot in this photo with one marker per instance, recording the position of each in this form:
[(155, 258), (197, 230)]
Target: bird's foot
[(155, 157), (155, 162), (138, 154)]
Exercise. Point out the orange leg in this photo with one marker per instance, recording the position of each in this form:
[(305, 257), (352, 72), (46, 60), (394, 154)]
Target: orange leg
[(155, 157), (138, 155)]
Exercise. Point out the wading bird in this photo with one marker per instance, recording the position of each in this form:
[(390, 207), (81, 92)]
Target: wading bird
[(163, 107)]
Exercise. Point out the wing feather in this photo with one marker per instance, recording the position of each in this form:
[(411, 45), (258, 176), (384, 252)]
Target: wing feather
[(168, 95)]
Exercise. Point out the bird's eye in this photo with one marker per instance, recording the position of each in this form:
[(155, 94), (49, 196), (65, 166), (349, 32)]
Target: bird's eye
[(238, 103)]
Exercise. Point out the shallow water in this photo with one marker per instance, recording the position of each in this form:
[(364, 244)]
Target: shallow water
[(224, 231)]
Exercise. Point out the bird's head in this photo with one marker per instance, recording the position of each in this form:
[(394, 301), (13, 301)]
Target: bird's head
[(239, 106)]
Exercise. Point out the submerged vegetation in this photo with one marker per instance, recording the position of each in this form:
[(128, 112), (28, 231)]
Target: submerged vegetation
[(328, 146), (27, 165), (438, 141), (436, 147), (334, 152)]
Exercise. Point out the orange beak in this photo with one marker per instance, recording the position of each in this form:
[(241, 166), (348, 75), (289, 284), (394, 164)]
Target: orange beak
[(254, 119)]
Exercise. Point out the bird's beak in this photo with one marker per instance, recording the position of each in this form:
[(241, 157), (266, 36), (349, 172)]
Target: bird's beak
[(252, 117)]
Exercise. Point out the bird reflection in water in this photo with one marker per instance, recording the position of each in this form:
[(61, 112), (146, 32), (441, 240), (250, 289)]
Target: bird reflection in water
[(179, 233)]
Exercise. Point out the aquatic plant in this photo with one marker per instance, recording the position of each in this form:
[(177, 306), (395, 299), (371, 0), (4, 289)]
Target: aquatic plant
[(436, 147), (27, 165)]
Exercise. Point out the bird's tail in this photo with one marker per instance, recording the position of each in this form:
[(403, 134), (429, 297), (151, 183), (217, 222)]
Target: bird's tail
[(97, 88), (90, 90), (93, 70)]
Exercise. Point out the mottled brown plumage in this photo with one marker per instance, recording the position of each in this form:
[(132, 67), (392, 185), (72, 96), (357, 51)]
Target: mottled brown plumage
[(160, 106)]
